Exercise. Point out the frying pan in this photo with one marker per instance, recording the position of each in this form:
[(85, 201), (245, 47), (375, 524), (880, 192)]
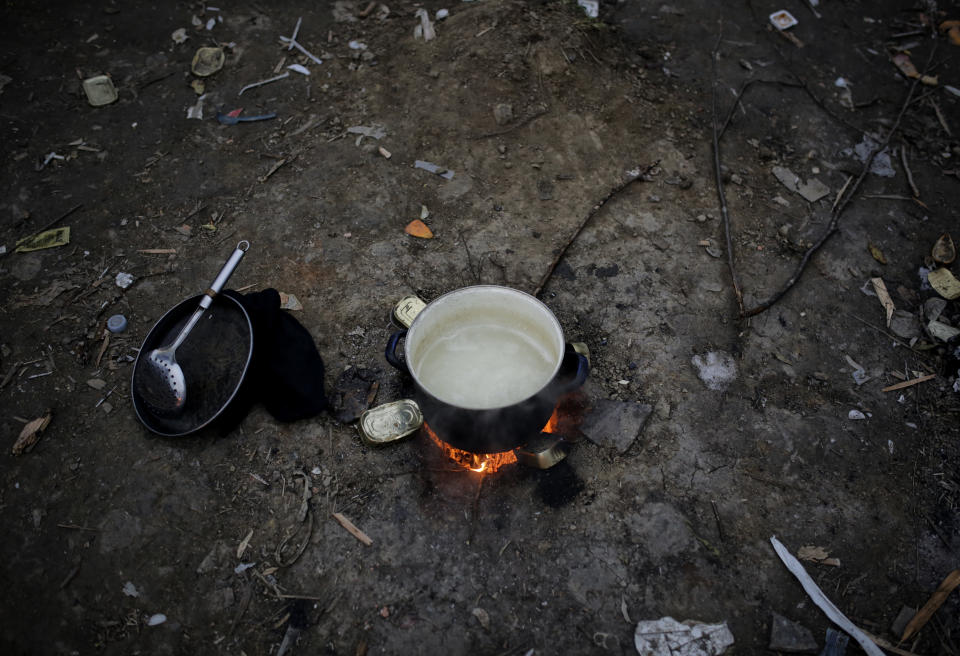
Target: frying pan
[(215, 359)]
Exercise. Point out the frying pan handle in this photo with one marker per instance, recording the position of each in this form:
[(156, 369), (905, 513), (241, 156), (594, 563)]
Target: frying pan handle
[(391, 351), (580, 377), (225, 274)]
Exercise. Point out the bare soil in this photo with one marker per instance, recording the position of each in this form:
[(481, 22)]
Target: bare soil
[(539, 112)]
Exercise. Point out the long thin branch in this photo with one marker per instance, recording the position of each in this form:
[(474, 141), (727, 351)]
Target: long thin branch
[(838, 210), (642, 175), (724, 212)]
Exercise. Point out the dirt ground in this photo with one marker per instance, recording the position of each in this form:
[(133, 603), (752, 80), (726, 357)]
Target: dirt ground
[(539, 112)]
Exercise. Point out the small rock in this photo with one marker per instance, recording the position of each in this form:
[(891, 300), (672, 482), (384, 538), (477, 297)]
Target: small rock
[(124, 280), (107, 407), (933, 308), (903, 618), (97, 383), (130, 589), (157, 619), (615, 424), (503, 113), (856, 415), (905, 324), (788, 636)]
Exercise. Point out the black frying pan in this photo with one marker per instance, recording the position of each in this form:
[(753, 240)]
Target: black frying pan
[(215, 359)]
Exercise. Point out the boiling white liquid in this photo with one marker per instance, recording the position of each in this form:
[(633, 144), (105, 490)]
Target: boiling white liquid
[(484, 366)]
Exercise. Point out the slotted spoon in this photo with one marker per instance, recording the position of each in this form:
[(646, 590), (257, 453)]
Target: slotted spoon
[(163, 386)]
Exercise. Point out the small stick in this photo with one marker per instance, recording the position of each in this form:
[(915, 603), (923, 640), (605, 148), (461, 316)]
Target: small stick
[(273, 169), (642, 175), (158, 251), (846, 184), (76, 527), (352, 529), (299, 47), (513, 127), (70, 575), (54, 222), (262, 82), (300, 596), (943, 121), (724, 212), (716, 515), (909, 383), (838, 211), (906, 168)]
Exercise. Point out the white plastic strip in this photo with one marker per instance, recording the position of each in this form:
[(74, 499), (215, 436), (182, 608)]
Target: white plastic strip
[(821, 600)]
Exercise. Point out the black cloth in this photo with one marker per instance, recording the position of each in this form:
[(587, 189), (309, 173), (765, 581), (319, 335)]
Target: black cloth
[(286, 370)]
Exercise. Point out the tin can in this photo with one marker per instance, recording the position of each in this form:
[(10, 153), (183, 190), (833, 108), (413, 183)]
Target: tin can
[(407, 310), (390, 422), (543, 451)]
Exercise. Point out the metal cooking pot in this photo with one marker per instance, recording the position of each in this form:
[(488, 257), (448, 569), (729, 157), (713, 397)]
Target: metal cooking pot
[(215, 360), (489, 364)]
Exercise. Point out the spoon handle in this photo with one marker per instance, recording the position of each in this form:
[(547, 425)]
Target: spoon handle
[(225, 274)]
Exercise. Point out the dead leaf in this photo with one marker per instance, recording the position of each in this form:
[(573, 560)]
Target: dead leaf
[(30, 434), (944, 251), (418, 228), (944, 283), (881, 289), (902, 62), (936, 600), (244, 544), (812, 553), (954, 34), (482, 616), (877, 254), (290, 302)]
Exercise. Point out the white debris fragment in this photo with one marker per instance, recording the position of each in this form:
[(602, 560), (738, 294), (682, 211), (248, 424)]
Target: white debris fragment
[(590, 7), (890, 446), (299, 68), (130, 589), (179, 36), (668, 637), (441, 14), (425, 29), (433, 168), (717, 369), (196, 110), (881, 164), (243, 567), (211, 23), (357, 45), (856, 415), (156, 619), (124, 280)]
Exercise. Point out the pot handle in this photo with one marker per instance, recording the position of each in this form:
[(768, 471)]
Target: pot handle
[(580, 377), (391, 351)]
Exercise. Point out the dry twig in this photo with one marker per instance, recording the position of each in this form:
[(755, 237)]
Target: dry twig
[(835, 213), (642, 175)]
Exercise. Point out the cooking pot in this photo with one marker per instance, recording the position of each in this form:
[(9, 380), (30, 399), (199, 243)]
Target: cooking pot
[(489, 364), (215, 360)]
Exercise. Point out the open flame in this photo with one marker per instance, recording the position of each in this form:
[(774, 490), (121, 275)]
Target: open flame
[(484, 463)]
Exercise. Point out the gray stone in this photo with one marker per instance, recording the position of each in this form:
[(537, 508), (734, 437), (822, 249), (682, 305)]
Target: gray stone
[(615, 424), (788, 636), (903, 618), (905, 324), (503, 113)]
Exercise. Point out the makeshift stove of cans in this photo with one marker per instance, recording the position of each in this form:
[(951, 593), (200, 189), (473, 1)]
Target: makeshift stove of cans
[(535, 445)]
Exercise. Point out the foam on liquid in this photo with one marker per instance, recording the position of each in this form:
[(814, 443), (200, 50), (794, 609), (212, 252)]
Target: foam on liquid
[(484, 366)]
